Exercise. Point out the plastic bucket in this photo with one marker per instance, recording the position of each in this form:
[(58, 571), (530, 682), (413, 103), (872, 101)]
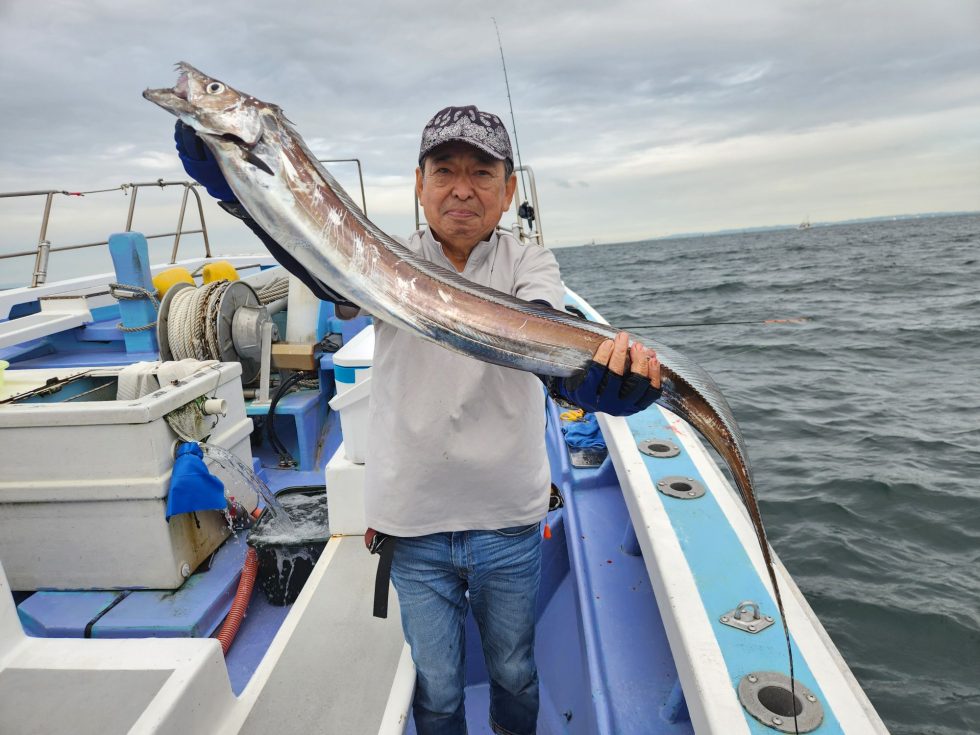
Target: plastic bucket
[(287, 558)]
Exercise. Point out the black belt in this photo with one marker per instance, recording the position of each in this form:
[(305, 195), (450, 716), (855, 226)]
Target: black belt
[(384, 546)]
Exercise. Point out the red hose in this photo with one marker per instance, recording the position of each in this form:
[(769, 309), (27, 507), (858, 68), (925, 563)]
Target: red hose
[(229, 629)]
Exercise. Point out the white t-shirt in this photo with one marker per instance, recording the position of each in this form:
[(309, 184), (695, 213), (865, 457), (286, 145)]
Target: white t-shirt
[(456, 444)]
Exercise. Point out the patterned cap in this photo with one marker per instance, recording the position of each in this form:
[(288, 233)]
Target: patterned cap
[(467, 125)]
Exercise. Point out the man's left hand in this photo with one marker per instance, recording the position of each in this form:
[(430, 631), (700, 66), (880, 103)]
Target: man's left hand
[(608, 387)]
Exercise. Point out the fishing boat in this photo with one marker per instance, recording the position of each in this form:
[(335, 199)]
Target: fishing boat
[(805, 224), (129, 604)]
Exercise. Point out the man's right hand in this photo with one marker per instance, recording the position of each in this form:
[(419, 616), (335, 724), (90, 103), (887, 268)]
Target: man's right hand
[(200, 164), (605, 385)]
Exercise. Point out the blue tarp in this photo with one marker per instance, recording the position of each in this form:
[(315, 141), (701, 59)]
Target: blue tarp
[(192, 486), (584, 434)]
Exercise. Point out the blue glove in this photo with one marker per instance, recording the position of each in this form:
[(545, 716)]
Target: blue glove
[(199, 163), (600, 389)]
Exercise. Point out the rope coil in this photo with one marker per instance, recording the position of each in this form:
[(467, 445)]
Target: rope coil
[(274, 290), (121, 291), (193, 317)]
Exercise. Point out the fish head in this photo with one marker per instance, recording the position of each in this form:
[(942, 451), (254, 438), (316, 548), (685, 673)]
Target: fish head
[(212, 108)]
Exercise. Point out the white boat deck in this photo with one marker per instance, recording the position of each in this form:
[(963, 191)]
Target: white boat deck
[(55, 316), (337, 671), (331, 668)]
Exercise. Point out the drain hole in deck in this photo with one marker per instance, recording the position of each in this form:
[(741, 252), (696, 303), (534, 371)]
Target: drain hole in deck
[(780, 701), (655, 447), (681, 487)]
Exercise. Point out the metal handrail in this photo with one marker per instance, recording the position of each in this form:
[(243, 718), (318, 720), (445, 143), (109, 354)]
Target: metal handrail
[(360, 176), (44, 248), (538, 235)]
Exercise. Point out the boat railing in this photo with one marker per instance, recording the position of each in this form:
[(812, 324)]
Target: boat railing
[(360, 176), (44, 247), (528, 233)]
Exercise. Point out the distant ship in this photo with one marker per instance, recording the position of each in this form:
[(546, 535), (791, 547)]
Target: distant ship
[(805, 224)]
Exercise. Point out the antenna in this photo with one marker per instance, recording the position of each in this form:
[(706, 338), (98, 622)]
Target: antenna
[(526, 210)]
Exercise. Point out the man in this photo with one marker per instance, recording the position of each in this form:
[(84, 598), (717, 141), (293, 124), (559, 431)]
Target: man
[(457, 472)]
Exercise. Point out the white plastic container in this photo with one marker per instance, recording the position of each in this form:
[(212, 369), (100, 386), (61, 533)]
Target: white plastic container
[(345, 495), (352, 373), (83, 491)]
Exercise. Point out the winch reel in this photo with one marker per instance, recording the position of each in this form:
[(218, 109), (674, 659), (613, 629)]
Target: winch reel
[(222, 320)]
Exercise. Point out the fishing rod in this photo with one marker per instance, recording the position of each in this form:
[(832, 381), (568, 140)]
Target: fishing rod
[(794, 320), (525, 211)]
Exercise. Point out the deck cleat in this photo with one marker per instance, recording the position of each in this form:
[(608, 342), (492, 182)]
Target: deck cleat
[(746, 616)]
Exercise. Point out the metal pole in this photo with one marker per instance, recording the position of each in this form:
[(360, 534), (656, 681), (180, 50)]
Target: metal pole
[(41, 264), (180, 223), (204, 227), (537, 209), (360, 176), (132, 207), (8, 194), (265, 364), (43, 246)]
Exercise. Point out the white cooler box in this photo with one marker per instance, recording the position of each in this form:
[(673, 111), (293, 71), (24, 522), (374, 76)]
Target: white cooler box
[(352, 374), (84, 486)]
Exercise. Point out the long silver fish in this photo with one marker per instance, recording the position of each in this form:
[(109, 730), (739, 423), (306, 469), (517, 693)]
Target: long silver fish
[(300, 205)]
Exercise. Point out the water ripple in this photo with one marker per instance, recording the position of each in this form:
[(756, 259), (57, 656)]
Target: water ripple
[(863, 426)]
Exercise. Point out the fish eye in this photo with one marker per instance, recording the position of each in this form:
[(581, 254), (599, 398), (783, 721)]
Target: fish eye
[(215, 88)]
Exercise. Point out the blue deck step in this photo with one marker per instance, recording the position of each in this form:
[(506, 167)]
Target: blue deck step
[(63, 614), (193, 611), (300, 417)]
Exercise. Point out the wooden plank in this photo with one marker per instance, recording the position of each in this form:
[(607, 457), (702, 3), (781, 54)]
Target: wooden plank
[(293, 356)]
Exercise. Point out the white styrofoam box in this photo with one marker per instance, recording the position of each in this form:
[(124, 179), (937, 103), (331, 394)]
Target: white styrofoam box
[(354, 414), (84, 486), (345, 495), (352, 376)]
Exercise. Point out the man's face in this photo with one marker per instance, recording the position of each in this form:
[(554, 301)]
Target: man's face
[(463, 193)]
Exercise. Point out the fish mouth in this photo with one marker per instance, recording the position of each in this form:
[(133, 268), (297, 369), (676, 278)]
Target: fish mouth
[(232, 125), (168, 100), (181, 88), (174, 99)]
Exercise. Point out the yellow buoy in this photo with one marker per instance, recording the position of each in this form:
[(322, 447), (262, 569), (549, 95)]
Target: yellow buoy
[(220, 270), (165, 280)]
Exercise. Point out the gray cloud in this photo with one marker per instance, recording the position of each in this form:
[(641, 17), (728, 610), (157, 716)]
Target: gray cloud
[(679, 115)]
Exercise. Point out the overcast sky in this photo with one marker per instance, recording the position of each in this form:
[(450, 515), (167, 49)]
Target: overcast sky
[(640, 119)]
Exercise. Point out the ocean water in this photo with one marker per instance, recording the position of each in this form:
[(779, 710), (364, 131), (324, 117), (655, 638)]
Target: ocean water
[(862, 424)]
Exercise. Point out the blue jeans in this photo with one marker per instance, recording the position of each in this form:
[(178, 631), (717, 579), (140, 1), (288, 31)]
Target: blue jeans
[(501, 570)]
